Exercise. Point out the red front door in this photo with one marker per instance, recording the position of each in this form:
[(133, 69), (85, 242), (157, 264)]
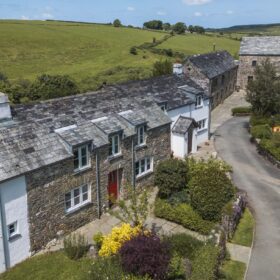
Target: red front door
[(113, 186)]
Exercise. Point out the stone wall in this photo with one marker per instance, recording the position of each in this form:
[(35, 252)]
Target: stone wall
[(47, 186), (246, 69)]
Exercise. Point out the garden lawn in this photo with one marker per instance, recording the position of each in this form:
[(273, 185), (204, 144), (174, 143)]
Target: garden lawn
[(49, 267), (245, 230), (233, 270)]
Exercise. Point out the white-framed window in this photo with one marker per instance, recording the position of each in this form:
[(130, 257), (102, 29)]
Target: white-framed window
[(114, 148), (202, 124), (12, 229), (81, 158), (141, 138), (143, 166), (198, 101), (77, 198)]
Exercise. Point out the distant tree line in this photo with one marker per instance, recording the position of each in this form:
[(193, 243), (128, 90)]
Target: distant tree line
[(179, 27)]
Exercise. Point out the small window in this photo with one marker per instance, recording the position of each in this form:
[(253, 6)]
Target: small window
[(143, 166), (114, 148), (198, 101), (254, 63), (141, 135), (12, 229), (214, 85), (202, 124), (250, 79), (77, 198), (81, 158)]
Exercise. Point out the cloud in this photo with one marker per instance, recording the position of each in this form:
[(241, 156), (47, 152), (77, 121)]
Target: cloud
[(229, 12), (24, 18), (47, 16), (131, 9), (196, 2), (161, 13), (198, 14)]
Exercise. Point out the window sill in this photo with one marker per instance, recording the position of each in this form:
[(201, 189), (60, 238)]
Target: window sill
[(84, 169), (142, 146), (144, 175), (114, 157), (202, 130), (14, 237), (71, 211), (198, 107)]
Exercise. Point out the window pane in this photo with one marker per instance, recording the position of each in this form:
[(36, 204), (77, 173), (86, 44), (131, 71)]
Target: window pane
[(85, 196), (84, 161), (76, 159), (76, 192), (12, 229), (137, 171), (85, 188), (116, 147), (77, 200), (68, 196), (83, 151), (142, 165), (68, 204), (148, 163)]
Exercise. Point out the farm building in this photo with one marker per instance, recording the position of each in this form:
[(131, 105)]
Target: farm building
[(254, 51), (61, 159), (216, 72)]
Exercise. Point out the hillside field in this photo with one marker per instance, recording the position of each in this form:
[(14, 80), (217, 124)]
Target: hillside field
[(90, 53)]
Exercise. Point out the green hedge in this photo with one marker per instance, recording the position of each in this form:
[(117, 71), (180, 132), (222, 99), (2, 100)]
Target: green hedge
[(262, 131), (259, 120), (205, 264), (271, 146), (182, 214), (241, 111)]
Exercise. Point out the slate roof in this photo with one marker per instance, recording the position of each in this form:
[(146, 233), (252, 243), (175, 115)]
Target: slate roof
[(213, 64), (182, 125), (45, 132), (268, 45)]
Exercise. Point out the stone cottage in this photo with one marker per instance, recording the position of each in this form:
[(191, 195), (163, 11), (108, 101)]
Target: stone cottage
[(61, 160), (254, 51), (216, 72)]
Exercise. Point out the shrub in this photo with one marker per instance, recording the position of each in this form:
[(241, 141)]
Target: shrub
[(182, 214), (205, 264), (133, 50), (75, 246), (210, 188), (183, 245), (164, 67), (117, 23), (179, 197), (241, 111), (113, 241), (171, 176), (262, 131), (98, 240), (145, 255), (272, 146), (258, 120), (176, 269)]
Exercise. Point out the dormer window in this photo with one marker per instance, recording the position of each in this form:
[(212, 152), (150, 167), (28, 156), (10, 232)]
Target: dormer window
[(198, 101), (81, 158), (141, 139), (114, 148)]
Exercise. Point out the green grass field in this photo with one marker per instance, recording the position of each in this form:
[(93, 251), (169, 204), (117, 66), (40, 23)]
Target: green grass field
[(233, 270), (191, 44), (90, 53)]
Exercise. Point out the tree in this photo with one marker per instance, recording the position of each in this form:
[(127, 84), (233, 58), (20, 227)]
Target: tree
[(117, 23), (134, 209), (153, 24), (166, 26), (164, 67), (210, 187), (171, 176), (191, 29), (47, 86), (264, 91), (180, 28)]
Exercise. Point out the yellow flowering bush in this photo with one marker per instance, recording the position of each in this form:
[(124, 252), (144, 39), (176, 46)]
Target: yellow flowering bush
[(113, 241)]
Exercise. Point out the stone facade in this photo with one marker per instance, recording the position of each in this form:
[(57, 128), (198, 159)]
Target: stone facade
[(47, 186), (247, 66)]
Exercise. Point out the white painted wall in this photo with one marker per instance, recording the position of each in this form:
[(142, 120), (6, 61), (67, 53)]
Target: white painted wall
[(14, 209), (2, 256), (178, 145)]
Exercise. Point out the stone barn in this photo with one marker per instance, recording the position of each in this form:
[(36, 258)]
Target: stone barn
[(253, 51)]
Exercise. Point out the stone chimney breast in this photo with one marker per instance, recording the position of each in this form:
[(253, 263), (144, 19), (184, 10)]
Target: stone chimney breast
[(5, 109)]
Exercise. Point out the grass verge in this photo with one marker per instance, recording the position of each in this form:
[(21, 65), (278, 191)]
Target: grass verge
[(245, 230), (233, 270)]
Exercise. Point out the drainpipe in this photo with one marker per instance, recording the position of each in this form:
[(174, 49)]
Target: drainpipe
[(133, 163), (4, 234), (98, 184), (209, 119)]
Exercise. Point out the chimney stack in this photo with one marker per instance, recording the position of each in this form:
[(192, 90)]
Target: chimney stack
[(177, 68), (5, 109)]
